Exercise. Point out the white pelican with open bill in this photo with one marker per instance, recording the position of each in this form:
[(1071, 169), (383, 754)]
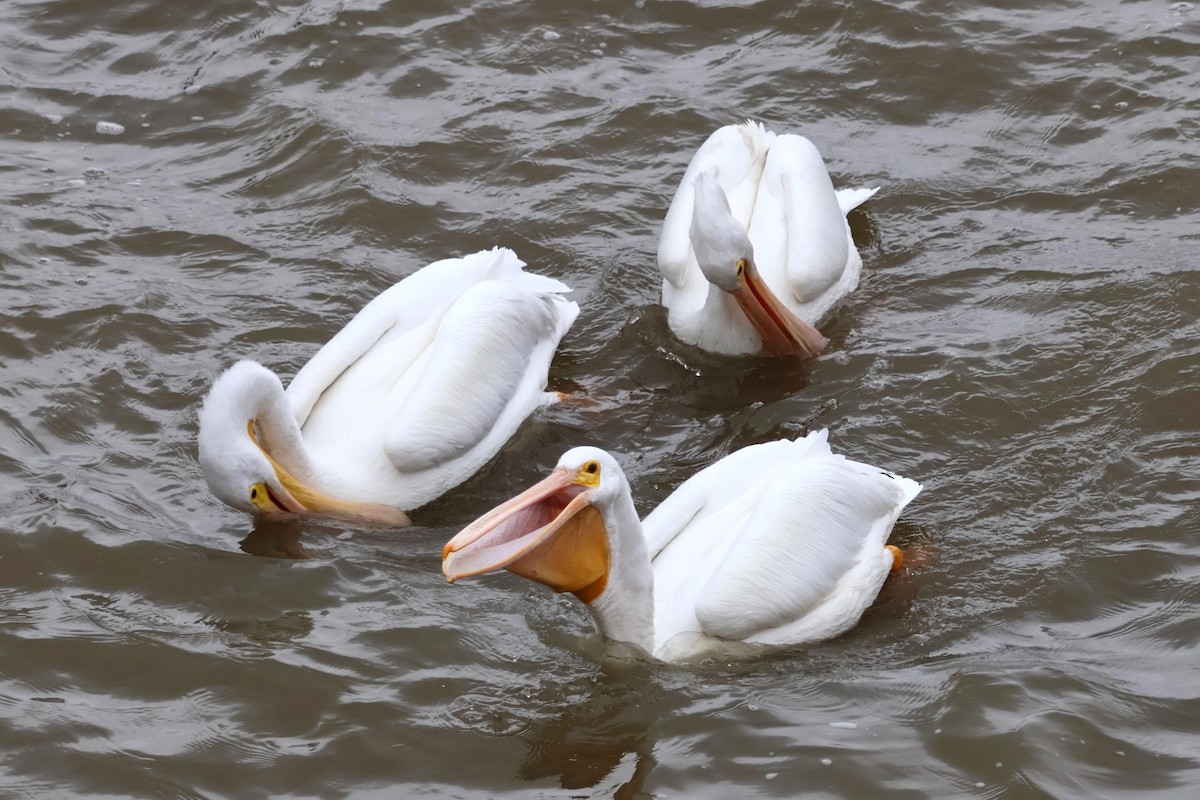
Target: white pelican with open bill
[(776, 544)]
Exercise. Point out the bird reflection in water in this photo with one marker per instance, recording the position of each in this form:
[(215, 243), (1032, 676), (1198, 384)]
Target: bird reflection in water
[(274, 538), (604, 740)]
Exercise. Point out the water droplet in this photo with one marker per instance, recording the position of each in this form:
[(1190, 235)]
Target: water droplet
[(109, 128), (979, 784), (827, 761), (772, 776)]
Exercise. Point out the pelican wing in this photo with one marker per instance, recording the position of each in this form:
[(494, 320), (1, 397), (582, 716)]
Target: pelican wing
[(716, 486), (482, 375), (798, 229), (417, 302), (820, 521)]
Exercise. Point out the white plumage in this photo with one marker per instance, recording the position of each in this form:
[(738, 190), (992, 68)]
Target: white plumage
[(778, 543), (408, 400), (749, 195)]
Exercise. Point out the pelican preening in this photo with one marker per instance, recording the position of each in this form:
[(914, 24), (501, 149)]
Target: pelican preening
[(777, 543), (408, 400), (755, 251)]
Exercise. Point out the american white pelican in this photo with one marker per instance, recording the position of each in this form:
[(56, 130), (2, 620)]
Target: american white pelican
[(777, 543), (413, 396), (755, 250)]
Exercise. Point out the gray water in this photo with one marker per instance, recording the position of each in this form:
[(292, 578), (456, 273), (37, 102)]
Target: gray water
[(1024, 342)]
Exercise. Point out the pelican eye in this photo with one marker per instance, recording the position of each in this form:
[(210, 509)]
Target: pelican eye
[(589, 474), (253, 492), (741, 266)]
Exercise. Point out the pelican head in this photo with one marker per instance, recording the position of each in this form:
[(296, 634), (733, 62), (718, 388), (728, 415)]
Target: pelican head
[(553, 533), (236, 467), (241, 471), (721, 244), (725, 255)]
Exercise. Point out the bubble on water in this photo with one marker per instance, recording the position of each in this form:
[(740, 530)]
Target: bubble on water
[(95, 172), (1181, 8), (1120, 752), (54, 118), (316, 63), (551, 36), (109, 128), (827, 761), (77, 182), (191, 88), (772, 776), (937, 730), (979, 784), (43, 260), (847, 725), (1122, 104), (597, 52), (197, 118), (145, 124)]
